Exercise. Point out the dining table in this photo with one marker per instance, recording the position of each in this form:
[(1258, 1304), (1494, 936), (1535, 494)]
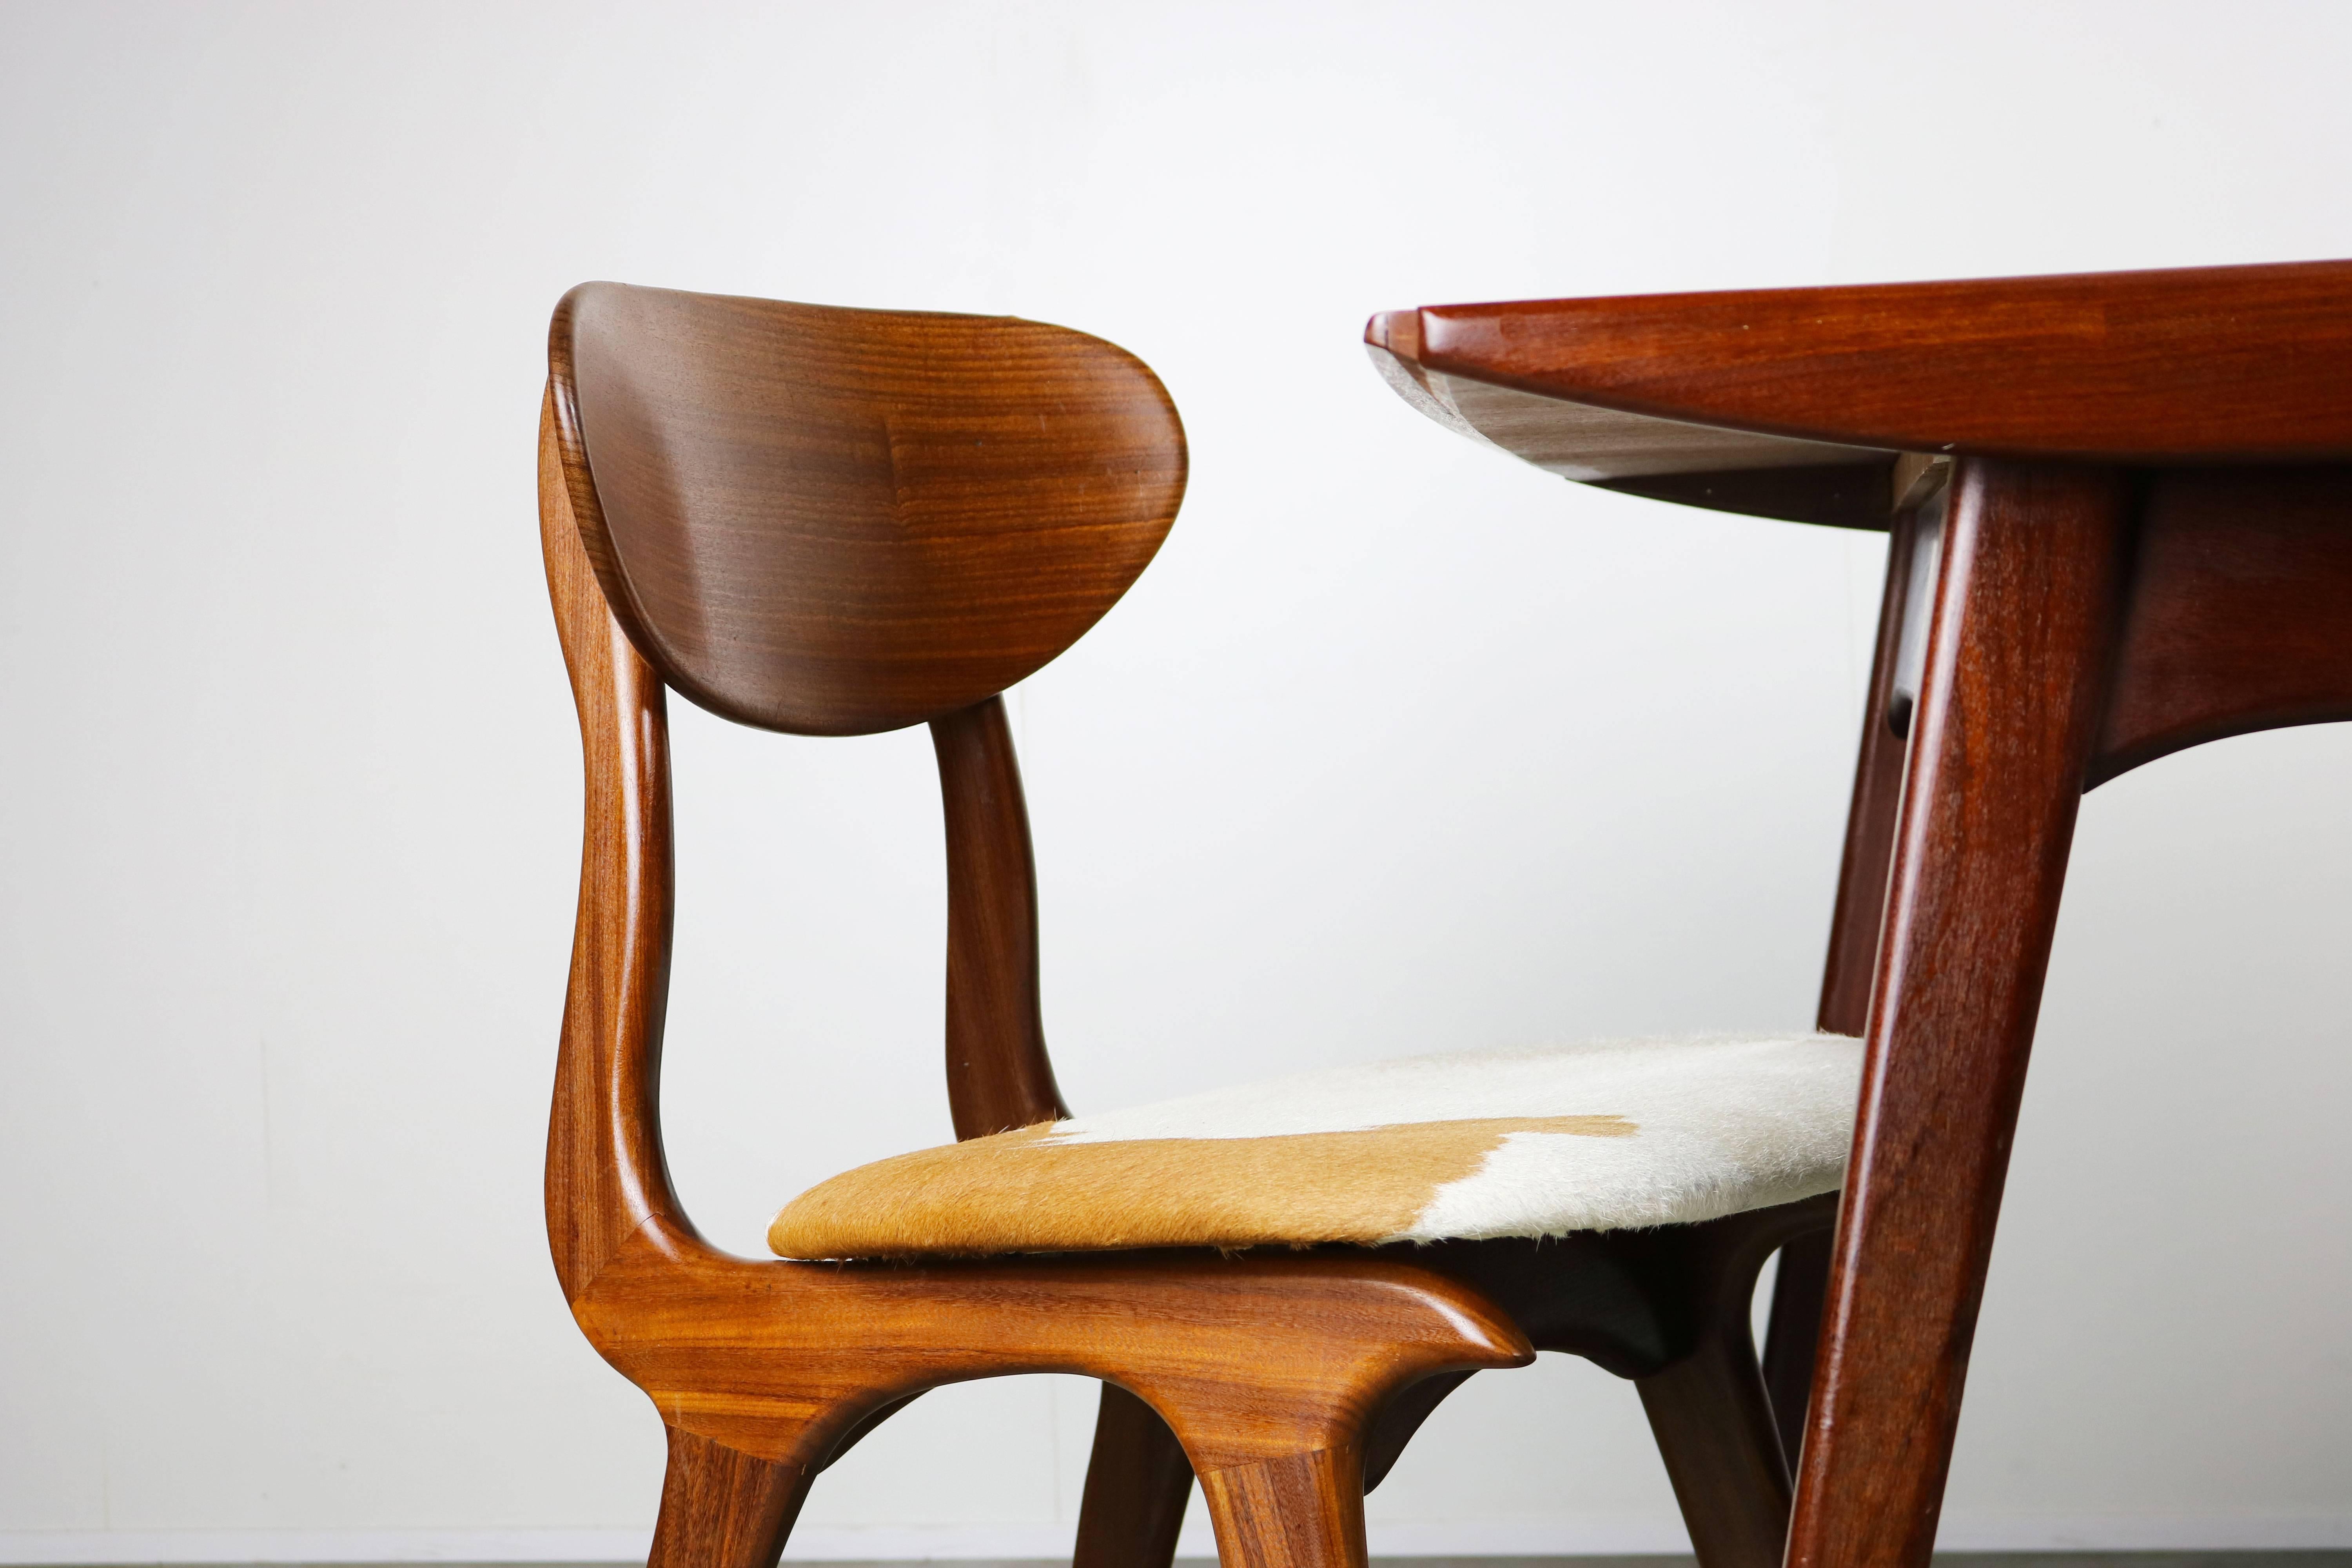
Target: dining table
[(2120, 516)]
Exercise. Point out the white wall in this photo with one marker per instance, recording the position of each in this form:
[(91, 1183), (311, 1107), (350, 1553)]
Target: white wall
[(1399, 746)]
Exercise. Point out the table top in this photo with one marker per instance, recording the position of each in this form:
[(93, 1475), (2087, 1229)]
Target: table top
[(1831, 404)]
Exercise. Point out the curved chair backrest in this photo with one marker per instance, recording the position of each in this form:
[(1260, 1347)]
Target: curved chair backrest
[(834, 522)]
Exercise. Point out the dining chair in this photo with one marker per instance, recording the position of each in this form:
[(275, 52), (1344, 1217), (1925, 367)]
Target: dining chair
[(830, 521), (2121, 517)]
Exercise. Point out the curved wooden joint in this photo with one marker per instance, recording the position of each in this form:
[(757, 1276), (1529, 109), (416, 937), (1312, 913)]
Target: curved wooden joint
[(1723, 1257), (1399, 1420), (998, 1076), (605, 1174), (1632, 1303), (1246, 1358)]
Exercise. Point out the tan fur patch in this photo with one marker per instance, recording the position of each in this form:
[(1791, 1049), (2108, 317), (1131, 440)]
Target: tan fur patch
[(1026, 1191)]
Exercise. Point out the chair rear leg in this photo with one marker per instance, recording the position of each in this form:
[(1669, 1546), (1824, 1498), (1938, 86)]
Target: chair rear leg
[(1714, 1423), (1137, 1482), (1302, 1510), (1795, 1328), (723, 1509)]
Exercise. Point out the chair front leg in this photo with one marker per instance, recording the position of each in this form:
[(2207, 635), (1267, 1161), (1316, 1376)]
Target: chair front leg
[(1709, 1407), (1299, 1510), (723, 1509), (2024, 623)]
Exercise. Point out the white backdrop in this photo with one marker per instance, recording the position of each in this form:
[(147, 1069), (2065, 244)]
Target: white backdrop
[(1400, 746)]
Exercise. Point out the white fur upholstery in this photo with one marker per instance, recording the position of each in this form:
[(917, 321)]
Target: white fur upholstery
[(1724, 1124)]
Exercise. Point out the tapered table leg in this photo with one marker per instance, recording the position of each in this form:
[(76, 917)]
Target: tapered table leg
[(2025, 613)]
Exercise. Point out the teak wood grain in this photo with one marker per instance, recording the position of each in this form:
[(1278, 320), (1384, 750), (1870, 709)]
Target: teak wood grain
[(835, 521), (2195, 365), (1247, 1359), (838, 521), (2146, 544)]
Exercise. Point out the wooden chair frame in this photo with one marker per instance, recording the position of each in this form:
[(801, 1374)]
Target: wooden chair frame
[(1287, 1381)]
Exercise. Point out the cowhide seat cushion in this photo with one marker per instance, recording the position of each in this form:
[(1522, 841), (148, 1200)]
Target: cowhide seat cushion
[(1603, 1136)]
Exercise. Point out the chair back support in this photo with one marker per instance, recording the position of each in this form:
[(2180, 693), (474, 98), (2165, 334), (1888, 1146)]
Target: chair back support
[(834, 522)]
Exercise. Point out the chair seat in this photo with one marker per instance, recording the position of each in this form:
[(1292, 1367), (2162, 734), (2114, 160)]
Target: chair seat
[(1609, 1135)]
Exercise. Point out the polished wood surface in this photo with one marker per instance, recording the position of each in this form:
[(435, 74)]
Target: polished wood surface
[(605, 1174), (721, 1509), (998, 1076), (1246, 1358), (2237, 613), (2028, 597), (2202, 365), (839, 521)]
